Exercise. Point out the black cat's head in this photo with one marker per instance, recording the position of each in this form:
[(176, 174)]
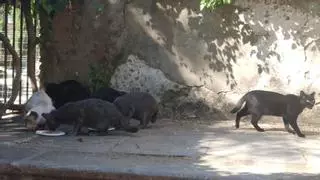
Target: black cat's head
[(51, 122), (307, 100)]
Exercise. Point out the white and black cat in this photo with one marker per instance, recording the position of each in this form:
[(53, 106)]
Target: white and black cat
[(91, 113), (39, 103), (259, 103)]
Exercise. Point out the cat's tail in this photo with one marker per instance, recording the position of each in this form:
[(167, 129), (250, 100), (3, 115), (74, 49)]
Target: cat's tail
[(239, 104)]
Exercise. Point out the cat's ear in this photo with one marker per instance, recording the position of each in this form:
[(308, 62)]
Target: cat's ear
[(313, 93), (302, 93)]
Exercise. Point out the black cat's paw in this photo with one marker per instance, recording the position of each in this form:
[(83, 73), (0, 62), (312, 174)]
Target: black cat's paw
[(302, 135), (237, 126), (260, 130), (291, 131)]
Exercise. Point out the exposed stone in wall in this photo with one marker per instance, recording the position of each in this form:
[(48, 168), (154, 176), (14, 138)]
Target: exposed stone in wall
[(135, 75), (178, 101)]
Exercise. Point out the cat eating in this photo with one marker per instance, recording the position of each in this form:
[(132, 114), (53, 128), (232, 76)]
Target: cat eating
[(90, 113)]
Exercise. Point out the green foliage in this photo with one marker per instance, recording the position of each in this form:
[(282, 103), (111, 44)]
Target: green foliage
[(99, 76), (212, 4), (51, 7), (98, 6)]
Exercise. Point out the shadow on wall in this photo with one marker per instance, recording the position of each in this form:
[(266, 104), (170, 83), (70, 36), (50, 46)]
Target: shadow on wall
[(224, 34), (214, 41)]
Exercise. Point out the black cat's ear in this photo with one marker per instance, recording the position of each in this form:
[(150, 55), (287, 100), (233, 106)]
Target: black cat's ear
[(313, 93), (302, 93)]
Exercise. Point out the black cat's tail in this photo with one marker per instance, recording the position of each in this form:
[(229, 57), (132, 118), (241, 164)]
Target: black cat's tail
[(239, 104)]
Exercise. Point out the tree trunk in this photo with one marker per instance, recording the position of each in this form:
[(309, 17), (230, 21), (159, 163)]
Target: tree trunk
[(32, 42), (17, 78), (45, 39)]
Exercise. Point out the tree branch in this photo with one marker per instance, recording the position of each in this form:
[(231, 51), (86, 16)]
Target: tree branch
[(32, 42), (16, 81)]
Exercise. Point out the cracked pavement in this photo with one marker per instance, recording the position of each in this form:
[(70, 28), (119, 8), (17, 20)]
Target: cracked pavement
[(186, 149)]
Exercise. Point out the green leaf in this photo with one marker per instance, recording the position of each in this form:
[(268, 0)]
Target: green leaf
[(212, 4), (202, 6)]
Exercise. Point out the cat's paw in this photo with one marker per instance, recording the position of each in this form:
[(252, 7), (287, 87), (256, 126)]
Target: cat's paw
[(302, 135), (291, 131), (260, 130)]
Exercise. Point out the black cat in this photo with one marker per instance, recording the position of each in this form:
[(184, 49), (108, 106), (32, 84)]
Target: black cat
[(90, 113), (259, 103), (144, 106), (66, 91)]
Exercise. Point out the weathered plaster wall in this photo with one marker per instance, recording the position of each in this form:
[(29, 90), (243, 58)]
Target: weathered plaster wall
[(199, 63), (220, 55)]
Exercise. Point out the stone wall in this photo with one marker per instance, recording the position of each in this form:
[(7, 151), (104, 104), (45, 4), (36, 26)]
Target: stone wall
[(198, 64)]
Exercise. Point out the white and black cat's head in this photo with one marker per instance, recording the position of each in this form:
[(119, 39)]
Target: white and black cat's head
[(307, 100), (39, 103)]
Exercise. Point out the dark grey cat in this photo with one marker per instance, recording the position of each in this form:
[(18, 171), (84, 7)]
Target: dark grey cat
[(92, 113), (259, 103), (143, 105)]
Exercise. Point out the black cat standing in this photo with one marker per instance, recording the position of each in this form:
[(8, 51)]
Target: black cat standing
[(259, 103)]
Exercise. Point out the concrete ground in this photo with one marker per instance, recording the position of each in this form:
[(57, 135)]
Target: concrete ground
[(190, 149)]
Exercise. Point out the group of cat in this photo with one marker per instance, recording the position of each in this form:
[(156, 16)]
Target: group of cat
[(69, 102)]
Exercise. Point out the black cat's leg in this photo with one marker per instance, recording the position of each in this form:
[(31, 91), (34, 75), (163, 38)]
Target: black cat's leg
[(241, 113), (77, 126), (254, 122), (154, 117), (76, 129), (287, 126), (294, 125), (144, 121)]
